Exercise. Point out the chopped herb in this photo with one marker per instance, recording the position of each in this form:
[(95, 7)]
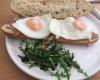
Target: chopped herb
[(48, 55)]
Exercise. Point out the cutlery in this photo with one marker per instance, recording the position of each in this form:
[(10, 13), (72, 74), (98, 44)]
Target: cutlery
[(95, 12), (94, 1)]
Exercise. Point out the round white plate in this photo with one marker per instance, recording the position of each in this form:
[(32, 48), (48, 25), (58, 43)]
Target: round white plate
[(88, 57)]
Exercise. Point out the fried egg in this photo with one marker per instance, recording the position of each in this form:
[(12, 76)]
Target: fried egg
[(70, 28), (34, 27)]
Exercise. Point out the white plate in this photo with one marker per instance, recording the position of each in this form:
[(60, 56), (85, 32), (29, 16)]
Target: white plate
[(88, 57)]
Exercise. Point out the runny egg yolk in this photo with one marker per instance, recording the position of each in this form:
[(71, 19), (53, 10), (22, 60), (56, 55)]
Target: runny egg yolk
[(34, 24), (79, 25)]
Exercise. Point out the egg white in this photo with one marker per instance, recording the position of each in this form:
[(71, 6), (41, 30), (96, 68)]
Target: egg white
[(42, 33), (66, 29)]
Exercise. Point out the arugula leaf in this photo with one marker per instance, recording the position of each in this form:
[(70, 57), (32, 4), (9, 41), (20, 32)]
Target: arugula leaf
[(49, 56)]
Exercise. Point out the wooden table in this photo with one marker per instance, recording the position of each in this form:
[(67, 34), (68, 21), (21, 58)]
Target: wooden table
[(8, 70)]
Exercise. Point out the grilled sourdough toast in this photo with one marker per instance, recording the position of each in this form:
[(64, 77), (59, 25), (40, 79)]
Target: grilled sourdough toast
[(12, 32), (59, 9)]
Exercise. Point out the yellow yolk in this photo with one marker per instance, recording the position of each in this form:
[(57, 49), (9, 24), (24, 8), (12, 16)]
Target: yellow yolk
[(79, 25), (34, 24)]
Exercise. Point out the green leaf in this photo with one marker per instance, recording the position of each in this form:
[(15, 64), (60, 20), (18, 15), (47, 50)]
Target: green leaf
[(49, 57)]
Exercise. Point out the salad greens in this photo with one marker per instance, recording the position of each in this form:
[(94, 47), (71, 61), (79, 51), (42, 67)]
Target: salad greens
[(48, 55)]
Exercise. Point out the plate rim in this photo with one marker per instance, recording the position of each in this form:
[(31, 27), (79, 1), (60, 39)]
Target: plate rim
[(97, 68), (34, 76)]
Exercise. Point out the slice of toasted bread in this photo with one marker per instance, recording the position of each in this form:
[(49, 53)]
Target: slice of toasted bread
[(12, 32), (87, 42), (58, 8)]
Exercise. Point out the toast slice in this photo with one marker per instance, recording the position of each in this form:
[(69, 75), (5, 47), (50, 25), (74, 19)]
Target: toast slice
[(12, 32), (87, 42), (59, 9)]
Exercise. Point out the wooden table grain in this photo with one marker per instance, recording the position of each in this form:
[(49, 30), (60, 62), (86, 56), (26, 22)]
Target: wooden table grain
[(8, 70)]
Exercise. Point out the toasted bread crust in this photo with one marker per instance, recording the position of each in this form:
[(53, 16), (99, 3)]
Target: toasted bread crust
[(58, 8), (87, 42), (13, 33)]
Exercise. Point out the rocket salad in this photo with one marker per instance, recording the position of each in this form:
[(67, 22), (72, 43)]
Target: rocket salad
[(48, 55)]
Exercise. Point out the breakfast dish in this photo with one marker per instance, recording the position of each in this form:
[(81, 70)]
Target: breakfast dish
[(87, 57), (67, 31), (43, 37)]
